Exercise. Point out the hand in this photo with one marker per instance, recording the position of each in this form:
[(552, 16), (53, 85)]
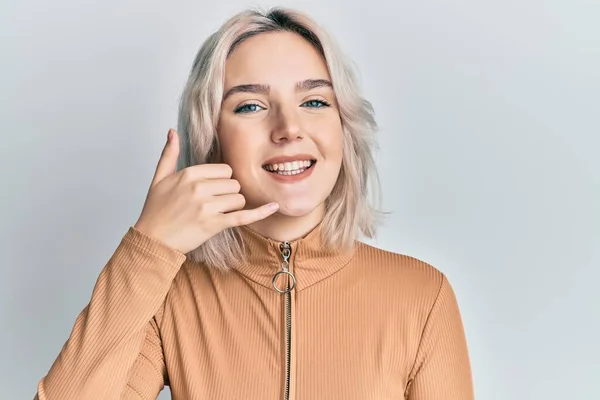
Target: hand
[(184, 209)]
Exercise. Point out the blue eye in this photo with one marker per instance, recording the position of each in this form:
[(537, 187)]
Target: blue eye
[(247, 108), (315, 104)]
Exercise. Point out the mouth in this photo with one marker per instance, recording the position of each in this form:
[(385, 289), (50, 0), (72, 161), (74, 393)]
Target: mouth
[(294, 167)]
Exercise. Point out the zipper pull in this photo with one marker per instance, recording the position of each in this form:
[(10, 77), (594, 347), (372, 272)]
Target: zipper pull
[(286, 252)]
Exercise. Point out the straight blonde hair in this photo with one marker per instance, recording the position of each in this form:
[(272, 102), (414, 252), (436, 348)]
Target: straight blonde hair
[(349, 207)]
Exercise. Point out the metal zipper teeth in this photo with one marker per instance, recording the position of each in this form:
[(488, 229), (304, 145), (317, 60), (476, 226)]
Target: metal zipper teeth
[(288, 308), (286, 252)]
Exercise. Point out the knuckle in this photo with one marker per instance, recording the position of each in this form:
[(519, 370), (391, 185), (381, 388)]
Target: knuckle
[(227, 169), (203, 208), (197, 188), (186, 175), (240, 199), (237, 219)]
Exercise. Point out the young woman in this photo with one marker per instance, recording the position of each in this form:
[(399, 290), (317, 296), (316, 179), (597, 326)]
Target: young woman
[(243, 277)]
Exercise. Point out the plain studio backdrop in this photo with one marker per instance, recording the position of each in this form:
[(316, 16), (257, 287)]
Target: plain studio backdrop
[(489, 141)]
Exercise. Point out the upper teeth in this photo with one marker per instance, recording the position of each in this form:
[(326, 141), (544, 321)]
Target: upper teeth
[(289, 166)]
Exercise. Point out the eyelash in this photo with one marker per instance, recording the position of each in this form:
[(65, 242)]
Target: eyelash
[(240, 109)]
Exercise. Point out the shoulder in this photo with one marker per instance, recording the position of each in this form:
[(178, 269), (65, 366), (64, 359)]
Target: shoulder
[(402, 273)]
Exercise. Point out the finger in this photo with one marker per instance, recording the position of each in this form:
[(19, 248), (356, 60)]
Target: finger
[(207, 171), (227, 203), (246, 217), (167, 164), (219, 187)]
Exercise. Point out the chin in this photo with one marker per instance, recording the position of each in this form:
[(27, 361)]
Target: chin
[(297, 209)]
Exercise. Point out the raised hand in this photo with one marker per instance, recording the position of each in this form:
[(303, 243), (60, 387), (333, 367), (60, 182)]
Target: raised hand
[(185, 208)]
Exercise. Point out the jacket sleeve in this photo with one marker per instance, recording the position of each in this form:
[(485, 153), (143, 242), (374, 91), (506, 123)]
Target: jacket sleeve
[(442, 368), (115, 344), (148, 375)]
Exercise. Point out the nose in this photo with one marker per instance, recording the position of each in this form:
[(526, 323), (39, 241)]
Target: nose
[(286, 126)]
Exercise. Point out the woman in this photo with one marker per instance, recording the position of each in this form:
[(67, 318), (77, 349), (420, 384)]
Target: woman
[(243, 278)]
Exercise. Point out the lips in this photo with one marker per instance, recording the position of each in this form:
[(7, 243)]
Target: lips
[(295, 169), (289, 165)]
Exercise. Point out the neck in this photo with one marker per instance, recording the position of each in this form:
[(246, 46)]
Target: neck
[(283, 228)]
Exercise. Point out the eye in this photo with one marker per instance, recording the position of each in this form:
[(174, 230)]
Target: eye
[(247, 108), (315, 103)]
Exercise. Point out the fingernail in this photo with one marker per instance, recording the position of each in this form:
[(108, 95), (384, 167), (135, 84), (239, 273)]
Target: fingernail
[(273, 206), (170, 135)]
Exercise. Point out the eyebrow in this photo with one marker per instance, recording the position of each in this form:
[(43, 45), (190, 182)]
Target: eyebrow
[(302, 86)]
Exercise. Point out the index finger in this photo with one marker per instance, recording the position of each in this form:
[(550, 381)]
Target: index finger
[(208, 171)]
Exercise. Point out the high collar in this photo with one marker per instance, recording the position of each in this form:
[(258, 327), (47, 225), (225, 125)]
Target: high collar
[(310, 261)]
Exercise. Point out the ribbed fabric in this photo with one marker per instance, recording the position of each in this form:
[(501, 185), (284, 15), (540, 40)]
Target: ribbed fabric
[(366, 324)]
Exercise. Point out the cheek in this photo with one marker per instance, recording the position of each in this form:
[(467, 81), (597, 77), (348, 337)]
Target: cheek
[(332, 144), (238, 147), (231, 137)]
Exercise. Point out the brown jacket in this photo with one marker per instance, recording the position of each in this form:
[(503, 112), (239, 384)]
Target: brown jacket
[(363, 324)]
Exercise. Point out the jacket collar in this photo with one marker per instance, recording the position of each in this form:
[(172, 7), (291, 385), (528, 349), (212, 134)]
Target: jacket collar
[(310, 260)]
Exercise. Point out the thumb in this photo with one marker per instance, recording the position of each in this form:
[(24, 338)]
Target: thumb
[(167, 164)]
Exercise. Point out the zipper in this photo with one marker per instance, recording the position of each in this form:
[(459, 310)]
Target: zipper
[(286, 252)]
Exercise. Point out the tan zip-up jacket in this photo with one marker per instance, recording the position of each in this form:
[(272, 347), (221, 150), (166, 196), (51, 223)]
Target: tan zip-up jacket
[(362, 324)]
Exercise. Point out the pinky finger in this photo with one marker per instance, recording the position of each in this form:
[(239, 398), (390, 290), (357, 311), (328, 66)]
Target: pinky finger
[(246, 217)]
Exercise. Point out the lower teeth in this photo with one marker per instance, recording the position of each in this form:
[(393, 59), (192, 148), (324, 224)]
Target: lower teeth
[(294, 172)]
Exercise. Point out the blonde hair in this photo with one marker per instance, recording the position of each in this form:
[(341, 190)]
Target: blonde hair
[(349, 212)]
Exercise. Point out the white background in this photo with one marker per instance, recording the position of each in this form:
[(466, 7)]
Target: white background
[(489, 162)]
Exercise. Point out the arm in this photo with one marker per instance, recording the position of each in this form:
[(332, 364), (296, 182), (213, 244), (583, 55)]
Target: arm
[(148, 375), (442, 368), (105, 351)]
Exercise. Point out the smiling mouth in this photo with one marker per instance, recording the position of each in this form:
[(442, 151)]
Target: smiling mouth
[(290, 168)]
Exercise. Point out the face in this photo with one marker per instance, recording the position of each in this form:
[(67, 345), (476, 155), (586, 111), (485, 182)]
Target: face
[(280, 128)]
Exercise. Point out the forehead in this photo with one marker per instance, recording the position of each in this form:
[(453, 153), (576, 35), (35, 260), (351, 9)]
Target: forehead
[(276, 59)]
